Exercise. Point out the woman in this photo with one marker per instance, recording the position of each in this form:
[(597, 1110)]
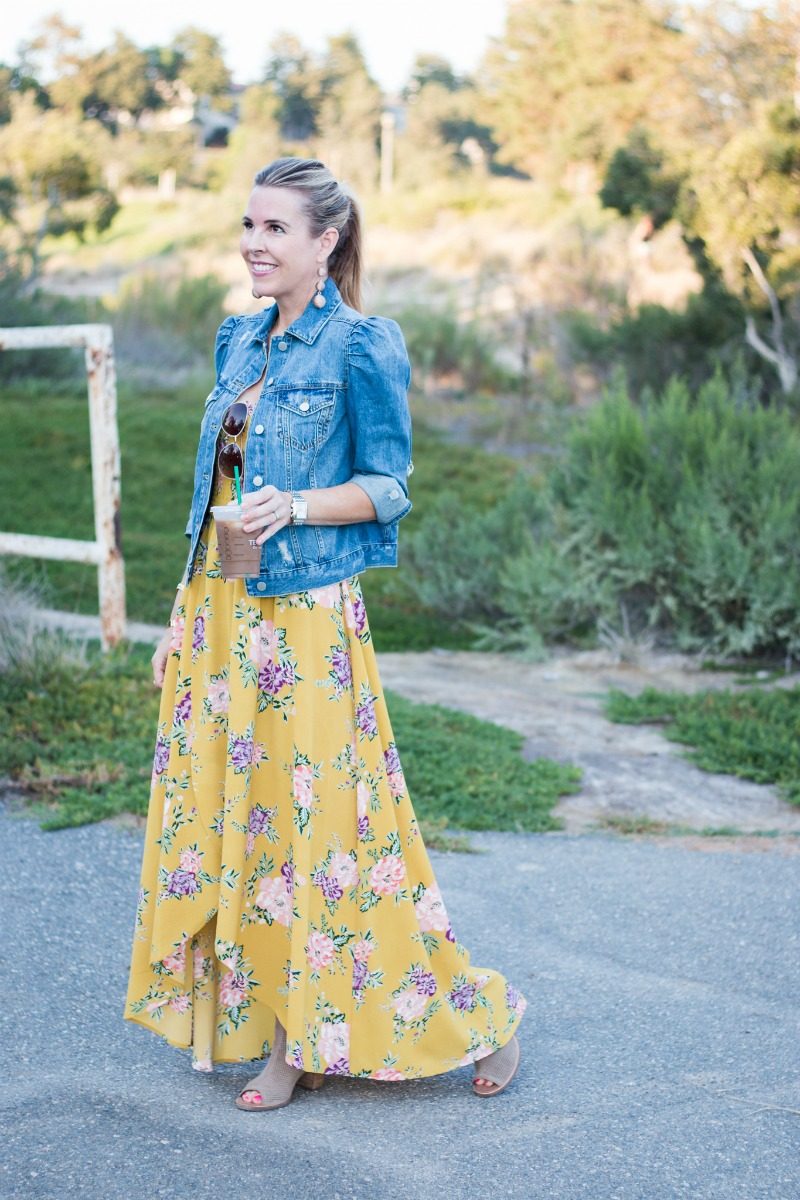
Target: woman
[(287, 902)]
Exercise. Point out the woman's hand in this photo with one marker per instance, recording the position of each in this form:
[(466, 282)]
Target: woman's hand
[(266, 509), (159, 660)]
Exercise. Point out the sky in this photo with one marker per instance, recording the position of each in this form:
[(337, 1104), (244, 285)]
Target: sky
[(391, 36)]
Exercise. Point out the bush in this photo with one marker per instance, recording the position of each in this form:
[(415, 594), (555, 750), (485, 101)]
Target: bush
[(166, 321), (677, 518), (18, 307), (440, 345)]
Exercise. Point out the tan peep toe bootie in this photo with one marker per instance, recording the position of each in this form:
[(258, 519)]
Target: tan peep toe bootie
[(496, 1070), (274, 1086)]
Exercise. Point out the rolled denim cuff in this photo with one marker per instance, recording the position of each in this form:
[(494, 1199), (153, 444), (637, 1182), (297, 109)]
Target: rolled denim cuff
[(389, 500), (188, 530)]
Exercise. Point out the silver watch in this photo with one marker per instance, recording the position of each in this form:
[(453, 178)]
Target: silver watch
[(299, 511)]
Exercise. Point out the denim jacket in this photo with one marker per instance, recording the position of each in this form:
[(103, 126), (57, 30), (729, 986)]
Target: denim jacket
[(333, 409)]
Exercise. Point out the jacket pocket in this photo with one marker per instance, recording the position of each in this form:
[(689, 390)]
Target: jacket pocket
[(304, 415)]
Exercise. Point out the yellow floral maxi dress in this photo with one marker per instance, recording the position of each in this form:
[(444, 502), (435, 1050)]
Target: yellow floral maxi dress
[(283, 873)]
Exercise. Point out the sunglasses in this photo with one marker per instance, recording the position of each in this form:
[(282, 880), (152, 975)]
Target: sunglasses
[(230, 455)]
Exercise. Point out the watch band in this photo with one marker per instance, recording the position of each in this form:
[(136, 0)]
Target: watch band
[(299, 510)]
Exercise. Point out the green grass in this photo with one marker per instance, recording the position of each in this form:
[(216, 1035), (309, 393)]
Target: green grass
[(50, 479), (80, 741), (753, 733)]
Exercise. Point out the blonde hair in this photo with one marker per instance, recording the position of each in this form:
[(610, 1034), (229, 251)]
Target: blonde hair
[(328, 205)]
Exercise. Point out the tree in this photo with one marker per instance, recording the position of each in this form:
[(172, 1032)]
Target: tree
[(202, 63), (570, 79), (295, 81), (52, 167), (746, 207), (349, 111)]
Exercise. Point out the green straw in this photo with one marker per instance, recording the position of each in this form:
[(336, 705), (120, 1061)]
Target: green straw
[(236, 481)]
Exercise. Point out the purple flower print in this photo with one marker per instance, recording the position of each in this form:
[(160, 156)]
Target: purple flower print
[(287, 871), (365, 717), (512, 996), (363, 826), (161, 756), (463, 997), (260, 819), (392, 759), (360, 973), (331, 888), (183, 709), (340, 1067), (297, 1058), (449, 935), (342, 667), (182, 883), (360, 614), (424, 981), (274, 676), (198, 632), (244, 752)]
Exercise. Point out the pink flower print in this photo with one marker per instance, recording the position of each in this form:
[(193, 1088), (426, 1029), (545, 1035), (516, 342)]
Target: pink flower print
[(219, 695), (178, 626), (275, 899), (302, 785), (397, 783), (481, 981), (156, 1004), (263, 644), (387, 876), (232, 989), (334, 1041), (320, 951), (410, 1004), (198, 964), (387, 1074), (363, 949), (191, 860), (343, 869), (327, 597), (180, 1003), (362, 798), (431, 912), (176, 961)]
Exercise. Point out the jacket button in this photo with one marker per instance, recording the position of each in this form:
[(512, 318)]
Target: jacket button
[(304, 407), (283, 345), (270, 381), (410, 468), (259, 428), (393, 494), (261, 587), (257, 480)]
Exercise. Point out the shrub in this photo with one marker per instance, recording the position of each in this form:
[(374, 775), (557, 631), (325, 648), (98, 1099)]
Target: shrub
[(166, 321), (678, 517)]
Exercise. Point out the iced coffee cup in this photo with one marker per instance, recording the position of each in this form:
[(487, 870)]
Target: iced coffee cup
[(239, 554)]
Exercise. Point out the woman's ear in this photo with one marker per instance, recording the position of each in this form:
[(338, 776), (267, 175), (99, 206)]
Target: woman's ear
[(327, 241)]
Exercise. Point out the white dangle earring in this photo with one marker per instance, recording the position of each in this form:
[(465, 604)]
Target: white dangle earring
[(322, 275)]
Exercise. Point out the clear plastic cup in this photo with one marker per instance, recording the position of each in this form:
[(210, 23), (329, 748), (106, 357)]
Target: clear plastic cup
[(240, 556)]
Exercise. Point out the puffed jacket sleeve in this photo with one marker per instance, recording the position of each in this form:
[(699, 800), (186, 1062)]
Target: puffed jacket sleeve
[(378, 376)]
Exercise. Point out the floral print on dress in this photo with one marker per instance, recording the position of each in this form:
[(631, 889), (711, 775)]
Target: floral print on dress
[(283, 871)]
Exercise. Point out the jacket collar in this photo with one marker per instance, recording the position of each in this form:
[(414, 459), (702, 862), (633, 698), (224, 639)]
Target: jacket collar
[(308, 326)]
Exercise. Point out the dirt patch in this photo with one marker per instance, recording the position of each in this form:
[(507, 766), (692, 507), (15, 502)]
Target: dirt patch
[(630, 772)]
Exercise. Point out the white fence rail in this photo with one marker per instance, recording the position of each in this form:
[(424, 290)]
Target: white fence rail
[(106, 550)]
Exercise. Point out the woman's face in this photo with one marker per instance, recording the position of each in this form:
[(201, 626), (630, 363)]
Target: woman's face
[(276, 244)]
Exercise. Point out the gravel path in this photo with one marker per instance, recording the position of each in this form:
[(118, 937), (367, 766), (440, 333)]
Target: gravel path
[(660, 1044)]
